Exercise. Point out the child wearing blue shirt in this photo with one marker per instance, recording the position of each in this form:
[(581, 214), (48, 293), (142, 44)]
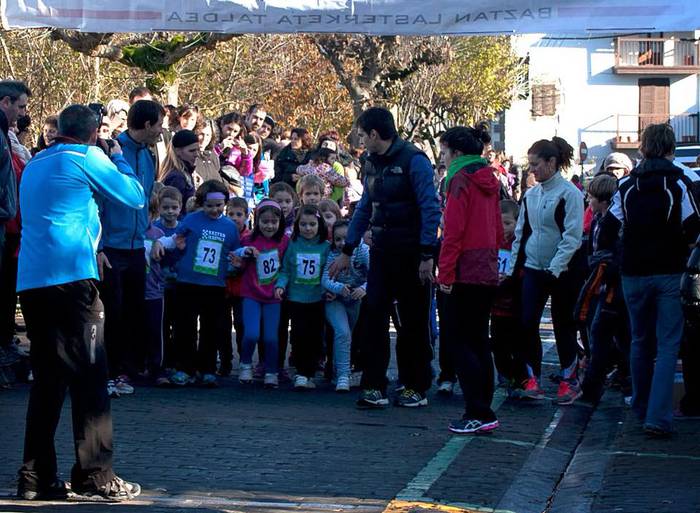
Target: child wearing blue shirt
[(300, 280), (208, 239)]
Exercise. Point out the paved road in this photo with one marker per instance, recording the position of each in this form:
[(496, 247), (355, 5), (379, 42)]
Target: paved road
[(247, 449)]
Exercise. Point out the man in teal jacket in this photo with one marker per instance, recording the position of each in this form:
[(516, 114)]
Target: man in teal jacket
[(57, 284), (121, 259)]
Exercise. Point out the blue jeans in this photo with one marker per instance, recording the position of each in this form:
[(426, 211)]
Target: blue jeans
[(656, 318), (253, 314), (343, 317)]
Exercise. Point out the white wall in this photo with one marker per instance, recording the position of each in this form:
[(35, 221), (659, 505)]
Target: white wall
[(591, 96)]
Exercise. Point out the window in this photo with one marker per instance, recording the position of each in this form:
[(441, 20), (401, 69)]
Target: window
[(544, 99)]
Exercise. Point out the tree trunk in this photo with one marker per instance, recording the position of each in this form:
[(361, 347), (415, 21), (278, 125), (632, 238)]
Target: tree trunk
[(172, 92)]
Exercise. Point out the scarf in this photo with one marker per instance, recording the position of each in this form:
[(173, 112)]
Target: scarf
[(460, 163)]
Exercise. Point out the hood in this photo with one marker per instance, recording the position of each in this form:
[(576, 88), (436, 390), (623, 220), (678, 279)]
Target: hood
[(662, 167), (482, 177)]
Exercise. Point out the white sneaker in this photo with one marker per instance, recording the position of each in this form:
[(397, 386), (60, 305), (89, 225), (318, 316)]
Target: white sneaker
[(446, 388), (302, 382), (245, 373), (112, 389), (343, 384), (123, 386), (355, 379), (271, 380)]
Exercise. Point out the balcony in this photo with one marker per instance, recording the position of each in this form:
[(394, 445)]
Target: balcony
[(656, 56), (630, 127)]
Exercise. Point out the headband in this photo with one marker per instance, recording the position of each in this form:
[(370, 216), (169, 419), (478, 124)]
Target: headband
[(215, 196), (268, 203)]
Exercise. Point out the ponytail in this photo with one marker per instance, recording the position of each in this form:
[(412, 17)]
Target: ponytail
[(558, 148)]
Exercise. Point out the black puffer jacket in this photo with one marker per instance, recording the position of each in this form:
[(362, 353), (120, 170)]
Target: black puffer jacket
[(287, 162)]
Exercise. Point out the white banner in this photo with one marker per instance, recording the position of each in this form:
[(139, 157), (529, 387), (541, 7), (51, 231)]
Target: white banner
[(358, 16)]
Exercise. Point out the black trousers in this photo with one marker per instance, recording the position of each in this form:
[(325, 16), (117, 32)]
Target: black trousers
[(283, 334), (468, 309), (123, 292), (537, 287), (234, 305), (506, 346), (447, 364), (690, 354), (307, 335), (394, 276), (65, 324), (153, 336), (169, 306), (209, 305), (8, 289)]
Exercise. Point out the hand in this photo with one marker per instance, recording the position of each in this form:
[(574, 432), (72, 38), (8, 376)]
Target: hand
[(446, 289), (157, 251), (236, 261), (295, 177), (279, 293), (339, 265), (251, 252), (329, 296), (242, 146), (425, 272), (180, 242), (358, 293), (346, 292), (116, 148), (227, 143), (102, 262)]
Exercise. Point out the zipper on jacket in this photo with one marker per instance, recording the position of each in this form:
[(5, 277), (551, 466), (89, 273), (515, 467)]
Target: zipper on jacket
[(136, 212)]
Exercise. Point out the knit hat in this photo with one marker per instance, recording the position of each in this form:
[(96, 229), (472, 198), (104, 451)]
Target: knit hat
[(184, 138), (618, 161), (267, 203)]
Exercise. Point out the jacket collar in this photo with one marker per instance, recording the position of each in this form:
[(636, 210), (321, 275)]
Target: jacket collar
[(656, 166), (552, 181)]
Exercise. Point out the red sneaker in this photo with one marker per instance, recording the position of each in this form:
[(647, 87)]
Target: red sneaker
[(532, 390), (568, 392)]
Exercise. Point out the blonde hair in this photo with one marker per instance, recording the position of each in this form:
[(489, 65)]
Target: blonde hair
[(171, 163)]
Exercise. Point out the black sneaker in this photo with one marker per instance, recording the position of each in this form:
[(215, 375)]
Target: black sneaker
[(117, 490), (472, 426), (55, 491), (411, 399), (372, 399)]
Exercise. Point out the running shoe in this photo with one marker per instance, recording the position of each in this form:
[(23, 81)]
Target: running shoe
[(568, 392), (123, 385), (409, 398), (343, 384), (303, 383), (245, 373), (181, 379), (208, 380), (112, 389), (116, 490), (532, 390), (53, 491), (446, 388), (371, 398), (271, 380), (472, 426)]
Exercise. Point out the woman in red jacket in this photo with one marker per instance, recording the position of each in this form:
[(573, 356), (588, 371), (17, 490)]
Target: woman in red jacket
[(468, 269)]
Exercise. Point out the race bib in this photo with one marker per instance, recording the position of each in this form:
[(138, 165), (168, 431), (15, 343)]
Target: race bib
[(268, 265), (308, 268), (206, 260), (503, 260)]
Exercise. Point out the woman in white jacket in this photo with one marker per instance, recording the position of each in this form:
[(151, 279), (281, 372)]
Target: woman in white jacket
[(548, 233)]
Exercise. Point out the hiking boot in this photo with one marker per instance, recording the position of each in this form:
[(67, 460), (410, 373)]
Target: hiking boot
[(472, 426), (568, 392), (532, 390), (372, 399), (54, 491), (117, 490), (409, 398)]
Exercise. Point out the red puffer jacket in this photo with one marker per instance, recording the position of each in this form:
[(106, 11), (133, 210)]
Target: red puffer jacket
[(473, 228)]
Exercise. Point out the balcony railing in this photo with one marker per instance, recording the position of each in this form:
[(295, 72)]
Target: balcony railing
[(630, 127), (656, 56)]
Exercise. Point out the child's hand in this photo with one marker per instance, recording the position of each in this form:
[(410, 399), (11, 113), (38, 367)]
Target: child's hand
[(236, 261), (346, 292), (295, 177), (251, 252), (157, 251), (329, 296), (446, 289), (279, 293), (180, 242), (358, 293)]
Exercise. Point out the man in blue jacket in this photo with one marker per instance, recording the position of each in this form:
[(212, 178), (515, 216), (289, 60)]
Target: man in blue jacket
[(57, 284), (401, 206), (121, 259)]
